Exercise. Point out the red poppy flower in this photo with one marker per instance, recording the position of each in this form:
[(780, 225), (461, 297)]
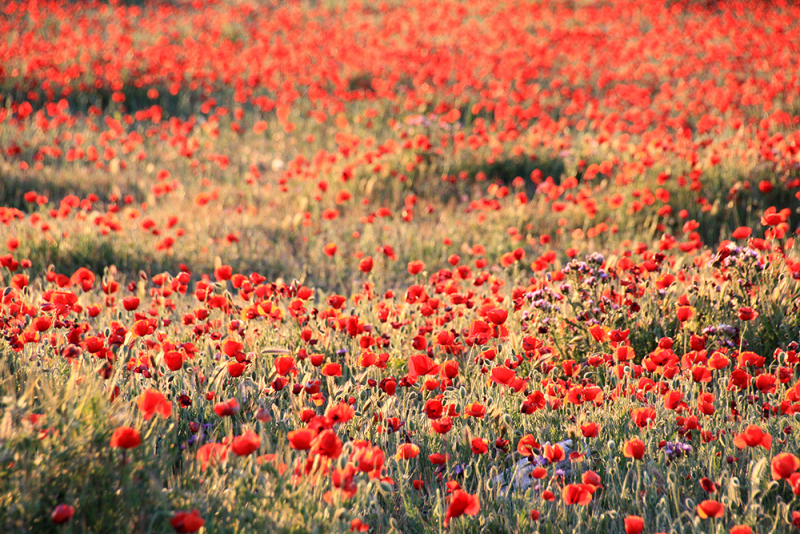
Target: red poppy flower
[(433, 409), (211, 454), (437, 458), (497, 316), (743, 232), (301, 439), (672, 400), (130, 303), (329, 249), (62, 513), (356, 525), (592, 479), (771, 218), (450, 369), (539, 472), (232, 347), (327, 444), (367, 359), (388, 385), (260, 127), (479, 446), (421, 365), (285, 365), (580, 494), (186, 522), (503, 375), (475, 409), (246, 444), (461, 503), (644, 417), (783, 465), (407, 451), (227, 409), (685, 313), (416, 267), (332, 369), (718, 361), (442, 425), (174, 360), (766, 384), (634, 524), (369, 459), (664, 281), (708, 485), (526, 445), (599, 333), (366, 264), (753, 436), (452, 485), (236, 369), (223, 273), (42, 324), (20, 281), (708, 509), (125, 437), (554, 454), (747, 313), (634, 449), (341, 413), (153, 402), (589, 430)]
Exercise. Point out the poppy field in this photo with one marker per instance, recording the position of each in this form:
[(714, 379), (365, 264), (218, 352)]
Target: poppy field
[(399, 266)]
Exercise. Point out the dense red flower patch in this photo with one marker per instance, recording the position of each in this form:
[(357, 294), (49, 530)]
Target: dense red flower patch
[(422, 265)]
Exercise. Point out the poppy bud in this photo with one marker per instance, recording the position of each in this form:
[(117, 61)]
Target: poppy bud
[(62, 513)]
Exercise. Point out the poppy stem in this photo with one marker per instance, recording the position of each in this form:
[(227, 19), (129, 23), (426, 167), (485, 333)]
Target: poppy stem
[(741, 337)]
